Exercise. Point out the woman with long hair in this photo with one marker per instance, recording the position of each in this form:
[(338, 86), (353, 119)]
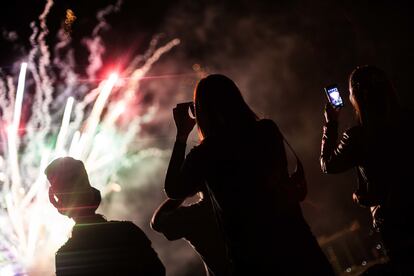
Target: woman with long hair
[(242, 160), (377, 146)]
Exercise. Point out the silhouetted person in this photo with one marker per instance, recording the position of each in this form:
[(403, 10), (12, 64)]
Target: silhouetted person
[(198, 225), (378, 147), (243, 161), (97, 246)]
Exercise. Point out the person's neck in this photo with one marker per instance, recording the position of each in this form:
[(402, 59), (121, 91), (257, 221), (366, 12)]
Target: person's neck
[(88, 218)]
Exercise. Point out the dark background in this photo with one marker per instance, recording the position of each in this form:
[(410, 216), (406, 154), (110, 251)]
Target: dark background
[(280, 53)]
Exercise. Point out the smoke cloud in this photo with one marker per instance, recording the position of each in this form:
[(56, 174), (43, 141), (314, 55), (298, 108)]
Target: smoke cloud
[(281, 56)]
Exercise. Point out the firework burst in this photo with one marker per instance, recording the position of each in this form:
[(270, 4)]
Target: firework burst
[(42, 120)]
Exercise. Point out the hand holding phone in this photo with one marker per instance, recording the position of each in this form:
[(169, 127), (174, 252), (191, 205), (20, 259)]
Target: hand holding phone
[(331, 114), (334, 97), (184, 119)]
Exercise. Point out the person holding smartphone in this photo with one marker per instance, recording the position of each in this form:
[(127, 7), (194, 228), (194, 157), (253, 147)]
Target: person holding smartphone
[(377, 146), (243, 162)]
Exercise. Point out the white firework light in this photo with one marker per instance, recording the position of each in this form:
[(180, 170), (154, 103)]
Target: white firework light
[(58, 123)]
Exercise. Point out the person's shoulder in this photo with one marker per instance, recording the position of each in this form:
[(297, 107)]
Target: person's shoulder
[(267, 123), (268, 126), (68, 246), (125, 225)]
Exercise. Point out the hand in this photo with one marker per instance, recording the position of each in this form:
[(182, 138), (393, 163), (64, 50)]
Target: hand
[(331, 114), (183, 121)]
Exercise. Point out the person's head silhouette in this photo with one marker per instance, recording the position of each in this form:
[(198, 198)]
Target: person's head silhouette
[(70, 191), (372, 95), (219, 106), (96, 246)]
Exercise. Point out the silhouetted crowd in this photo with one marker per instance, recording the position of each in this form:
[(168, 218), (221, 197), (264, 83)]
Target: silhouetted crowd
[(248, 220)]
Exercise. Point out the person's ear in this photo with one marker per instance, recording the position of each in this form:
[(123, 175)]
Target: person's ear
[(53, 200)]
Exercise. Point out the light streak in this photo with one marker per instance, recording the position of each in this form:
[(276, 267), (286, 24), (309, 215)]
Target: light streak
[(61, 138), (19, 98), (12, 135)]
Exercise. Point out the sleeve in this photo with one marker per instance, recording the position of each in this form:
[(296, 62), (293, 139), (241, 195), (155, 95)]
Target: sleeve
[(185, 178), (339, 157), (168, 221), (142, 257), (175, 224)]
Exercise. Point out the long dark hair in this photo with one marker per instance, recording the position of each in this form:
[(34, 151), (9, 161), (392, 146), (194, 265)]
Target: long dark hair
[(373, 97), (220, 107)]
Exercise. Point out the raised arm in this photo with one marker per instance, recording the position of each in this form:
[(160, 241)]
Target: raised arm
[(180, 181), (338, 157), (166, 219)]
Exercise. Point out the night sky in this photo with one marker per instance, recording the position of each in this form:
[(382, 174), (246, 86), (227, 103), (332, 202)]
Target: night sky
[(280, 53)]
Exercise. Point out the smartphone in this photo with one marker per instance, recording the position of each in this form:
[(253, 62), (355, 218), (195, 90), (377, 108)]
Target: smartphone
[(333, 95)]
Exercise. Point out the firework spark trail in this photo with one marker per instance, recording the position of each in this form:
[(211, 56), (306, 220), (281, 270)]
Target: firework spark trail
[(65, 62), (95, 116), (67, 65), (95, 44), (96, 49), (19, 99), (33, 139), (141, 58), (44, 62), (14, 197), (35, 117), (61, 138), (138, 74), (132, 86), (81, 125), (3, 101), (13, 131), (11, 89), (39, 60)]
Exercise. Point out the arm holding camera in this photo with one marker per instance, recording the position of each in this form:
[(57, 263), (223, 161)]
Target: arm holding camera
[(331, 114), (183, 122), (338, 157), (330, 128), (182, 180)]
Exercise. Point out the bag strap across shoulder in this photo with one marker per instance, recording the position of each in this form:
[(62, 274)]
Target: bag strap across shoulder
[(298, 186), (298, 162)]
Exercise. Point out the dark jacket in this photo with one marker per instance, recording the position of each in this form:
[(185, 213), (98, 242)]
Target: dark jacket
[(383, 160), (108, 248), (353, 151), (246, 173)]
